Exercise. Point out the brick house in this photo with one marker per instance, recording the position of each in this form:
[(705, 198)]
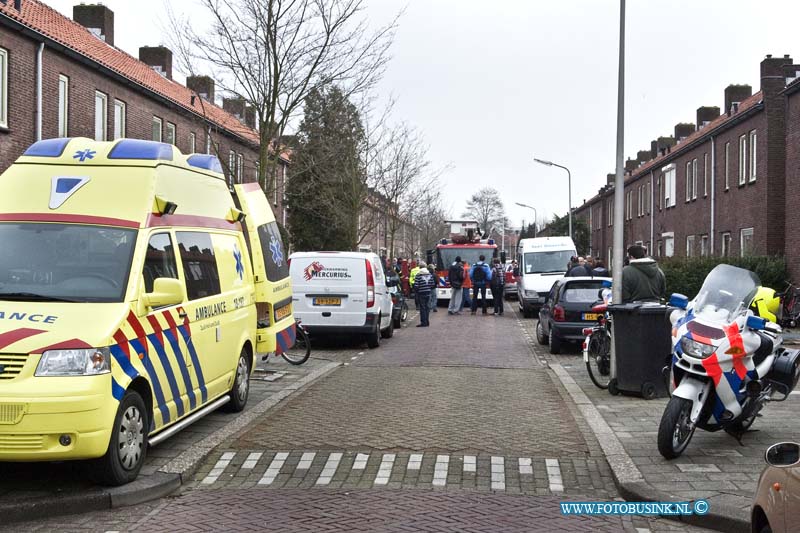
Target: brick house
[(720, 186), (377, 238), (62, 77)]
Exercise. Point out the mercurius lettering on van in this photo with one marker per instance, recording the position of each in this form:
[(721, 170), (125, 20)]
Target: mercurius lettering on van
[(135, 291)]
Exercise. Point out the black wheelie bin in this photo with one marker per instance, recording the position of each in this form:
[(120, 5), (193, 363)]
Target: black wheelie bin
[(642, 349)]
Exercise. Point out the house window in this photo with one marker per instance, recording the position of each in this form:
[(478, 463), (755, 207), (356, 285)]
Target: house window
[(689, 245), (727, 159), (688, 180), (120, 120), (705, 175), (742, 159), (694, 178), (660, 192), (192, 142), (170, 133), (746, 242), (258, 171), (231, 167), (659, 248), (670, 195), (610, 212), (669, 244), (726, 244), (3, 88), (239, 167), (100, 116), (629, 205), (753, 155), (63, 106), (703, 245), (157, 129), (208, 141)]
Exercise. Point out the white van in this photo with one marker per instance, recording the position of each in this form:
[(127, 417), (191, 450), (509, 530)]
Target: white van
[(341, 292), (542, 262)]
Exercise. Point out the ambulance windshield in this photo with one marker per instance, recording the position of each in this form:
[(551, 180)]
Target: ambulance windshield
[(64, 262)]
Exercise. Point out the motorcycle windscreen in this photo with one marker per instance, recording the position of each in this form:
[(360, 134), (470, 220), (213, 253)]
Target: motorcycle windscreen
[(273, 288)]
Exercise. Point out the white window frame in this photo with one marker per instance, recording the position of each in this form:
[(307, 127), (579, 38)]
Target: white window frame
[(704, 246), (694, 179), (120, 119), (742, 233), (239, 167), (63, 105), (726, 244), (3, 88), (690, 245), (753, 142), (160, 122), (727, 165), (669, 243), (688, 180), (101, 97), (231, 167), (670, 192), (705, 175), (192, 142), (743, 159), (660, 184), (170, 127), (610, 212)]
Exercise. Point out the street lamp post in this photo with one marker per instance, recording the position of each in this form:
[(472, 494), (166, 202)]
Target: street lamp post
[(535, 215), (569, 184)]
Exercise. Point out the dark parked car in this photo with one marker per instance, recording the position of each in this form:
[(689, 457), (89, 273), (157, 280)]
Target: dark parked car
[(567, 309)]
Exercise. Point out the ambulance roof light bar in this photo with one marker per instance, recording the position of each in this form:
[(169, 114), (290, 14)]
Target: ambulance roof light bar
[(140, 149), (205, 161), (48, 147)]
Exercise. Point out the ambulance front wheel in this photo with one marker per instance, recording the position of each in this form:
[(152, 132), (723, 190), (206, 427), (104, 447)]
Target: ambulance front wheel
[(241, 385), (128, 444)]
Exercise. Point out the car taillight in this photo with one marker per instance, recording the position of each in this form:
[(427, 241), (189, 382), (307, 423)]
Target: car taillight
[(370, 284), (558, 314), (587, 331)]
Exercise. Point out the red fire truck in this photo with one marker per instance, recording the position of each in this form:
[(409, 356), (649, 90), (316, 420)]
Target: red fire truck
[(465, 241)]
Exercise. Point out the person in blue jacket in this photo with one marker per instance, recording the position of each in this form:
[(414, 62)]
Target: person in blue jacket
[(480, 274)]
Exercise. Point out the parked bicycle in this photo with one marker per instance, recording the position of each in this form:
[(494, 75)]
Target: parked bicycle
[(790, 306), (300, 350), (597, 347)]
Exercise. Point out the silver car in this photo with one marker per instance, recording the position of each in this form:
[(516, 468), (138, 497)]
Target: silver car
[(776, 508)]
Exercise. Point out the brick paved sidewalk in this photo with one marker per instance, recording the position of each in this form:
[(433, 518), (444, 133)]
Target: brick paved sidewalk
[(714, 467)]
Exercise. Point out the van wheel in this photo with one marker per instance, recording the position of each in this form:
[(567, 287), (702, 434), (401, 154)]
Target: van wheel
[(127, 446), (241, 385), (388, 332), (374, 338)]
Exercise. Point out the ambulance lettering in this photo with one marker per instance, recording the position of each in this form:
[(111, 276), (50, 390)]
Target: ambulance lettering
[(208, 311), (25, 317)]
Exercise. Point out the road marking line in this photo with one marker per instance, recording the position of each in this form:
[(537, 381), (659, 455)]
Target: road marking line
[(273, 469), (329, 469), (469, 463), (228, 455), (525, 465), (219, 468), (414, 461), (251, 460), (554, 475), (361, 461), (385, 470), (305, 461), (498, 473), (440, 470)]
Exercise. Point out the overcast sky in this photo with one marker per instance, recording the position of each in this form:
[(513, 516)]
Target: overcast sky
[(494, 84)]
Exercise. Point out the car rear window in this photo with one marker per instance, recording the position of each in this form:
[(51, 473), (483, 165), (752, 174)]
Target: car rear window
[(581, 291)]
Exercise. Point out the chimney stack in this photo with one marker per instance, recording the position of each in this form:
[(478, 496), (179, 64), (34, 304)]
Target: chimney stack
[(610, 178), (159, 58), (96, 18), (734, 94), (631, 164), (683, 130), (663, 145), (643, 156), (706, 114), (250, 117), (202, 85), (235, 106)]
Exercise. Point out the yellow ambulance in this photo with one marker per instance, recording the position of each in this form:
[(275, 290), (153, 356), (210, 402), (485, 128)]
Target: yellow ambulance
[(135, 290)]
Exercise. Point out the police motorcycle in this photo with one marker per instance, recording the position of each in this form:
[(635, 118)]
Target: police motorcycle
[(727, 361)]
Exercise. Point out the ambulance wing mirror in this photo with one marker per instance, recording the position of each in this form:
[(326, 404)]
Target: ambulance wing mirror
[(166, 291)]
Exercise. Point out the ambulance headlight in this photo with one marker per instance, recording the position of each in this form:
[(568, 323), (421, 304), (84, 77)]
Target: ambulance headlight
[(82, 362), (696, 349)]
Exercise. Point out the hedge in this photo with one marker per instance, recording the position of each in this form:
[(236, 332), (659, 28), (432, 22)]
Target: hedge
[(686, 276)]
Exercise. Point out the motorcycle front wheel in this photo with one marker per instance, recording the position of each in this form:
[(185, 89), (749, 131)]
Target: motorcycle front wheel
[(675, 430)]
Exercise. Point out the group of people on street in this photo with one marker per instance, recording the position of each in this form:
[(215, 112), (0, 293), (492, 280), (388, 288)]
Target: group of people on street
[(588, 266), (462, 277)]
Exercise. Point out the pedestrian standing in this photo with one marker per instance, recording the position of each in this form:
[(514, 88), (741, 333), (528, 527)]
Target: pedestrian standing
[(456, 276), (642, 280), (423, 285), (411, 278), (434, 300), (466, 287), (480, 274), (600, 269), (498, 285)]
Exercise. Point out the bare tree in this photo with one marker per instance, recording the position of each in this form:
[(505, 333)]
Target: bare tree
[(273, 53), (429, 218), (487, 208)]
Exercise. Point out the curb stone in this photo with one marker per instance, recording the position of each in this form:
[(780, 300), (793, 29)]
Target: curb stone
[(628, 478), (163, 482)]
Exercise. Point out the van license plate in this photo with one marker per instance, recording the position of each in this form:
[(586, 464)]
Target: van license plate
[(591, 316), (283, 312), (326, 301)]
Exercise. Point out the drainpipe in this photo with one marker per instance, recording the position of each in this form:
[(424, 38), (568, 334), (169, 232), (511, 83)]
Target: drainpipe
[(652, 215), (713, 195), (39, 91)]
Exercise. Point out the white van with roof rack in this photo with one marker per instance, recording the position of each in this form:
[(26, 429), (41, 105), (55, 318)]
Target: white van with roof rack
[(342, 292), (542, 262)]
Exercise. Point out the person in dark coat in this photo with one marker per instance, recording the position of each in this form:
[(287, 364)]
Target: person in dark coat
[(498, 285), (600, 269), (480, 274), (642, 280), (424, 284)]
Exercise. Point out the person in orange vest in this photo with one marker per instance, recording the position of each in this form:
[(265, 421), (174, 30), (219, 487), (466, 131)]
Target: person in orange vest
[(466, 287)]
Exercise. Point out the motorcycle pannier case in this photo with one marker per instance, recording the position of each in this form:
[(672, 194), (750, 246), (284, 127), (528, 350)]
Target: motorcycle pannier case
[(786, 369)]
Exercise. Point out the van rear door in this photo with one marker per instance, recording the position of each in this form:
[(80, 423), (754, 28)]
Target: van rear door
[(330, 289), (273, 287)]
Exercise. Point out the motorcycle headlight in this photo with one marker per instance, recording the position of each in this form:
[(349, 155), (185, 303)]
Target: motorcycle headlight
[(82, 362), (696, 349)]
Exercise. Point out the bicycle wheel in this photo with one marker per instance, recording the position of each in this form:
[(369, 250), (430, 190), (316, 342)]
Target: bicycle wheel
[(301, 351), (599, 363)]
